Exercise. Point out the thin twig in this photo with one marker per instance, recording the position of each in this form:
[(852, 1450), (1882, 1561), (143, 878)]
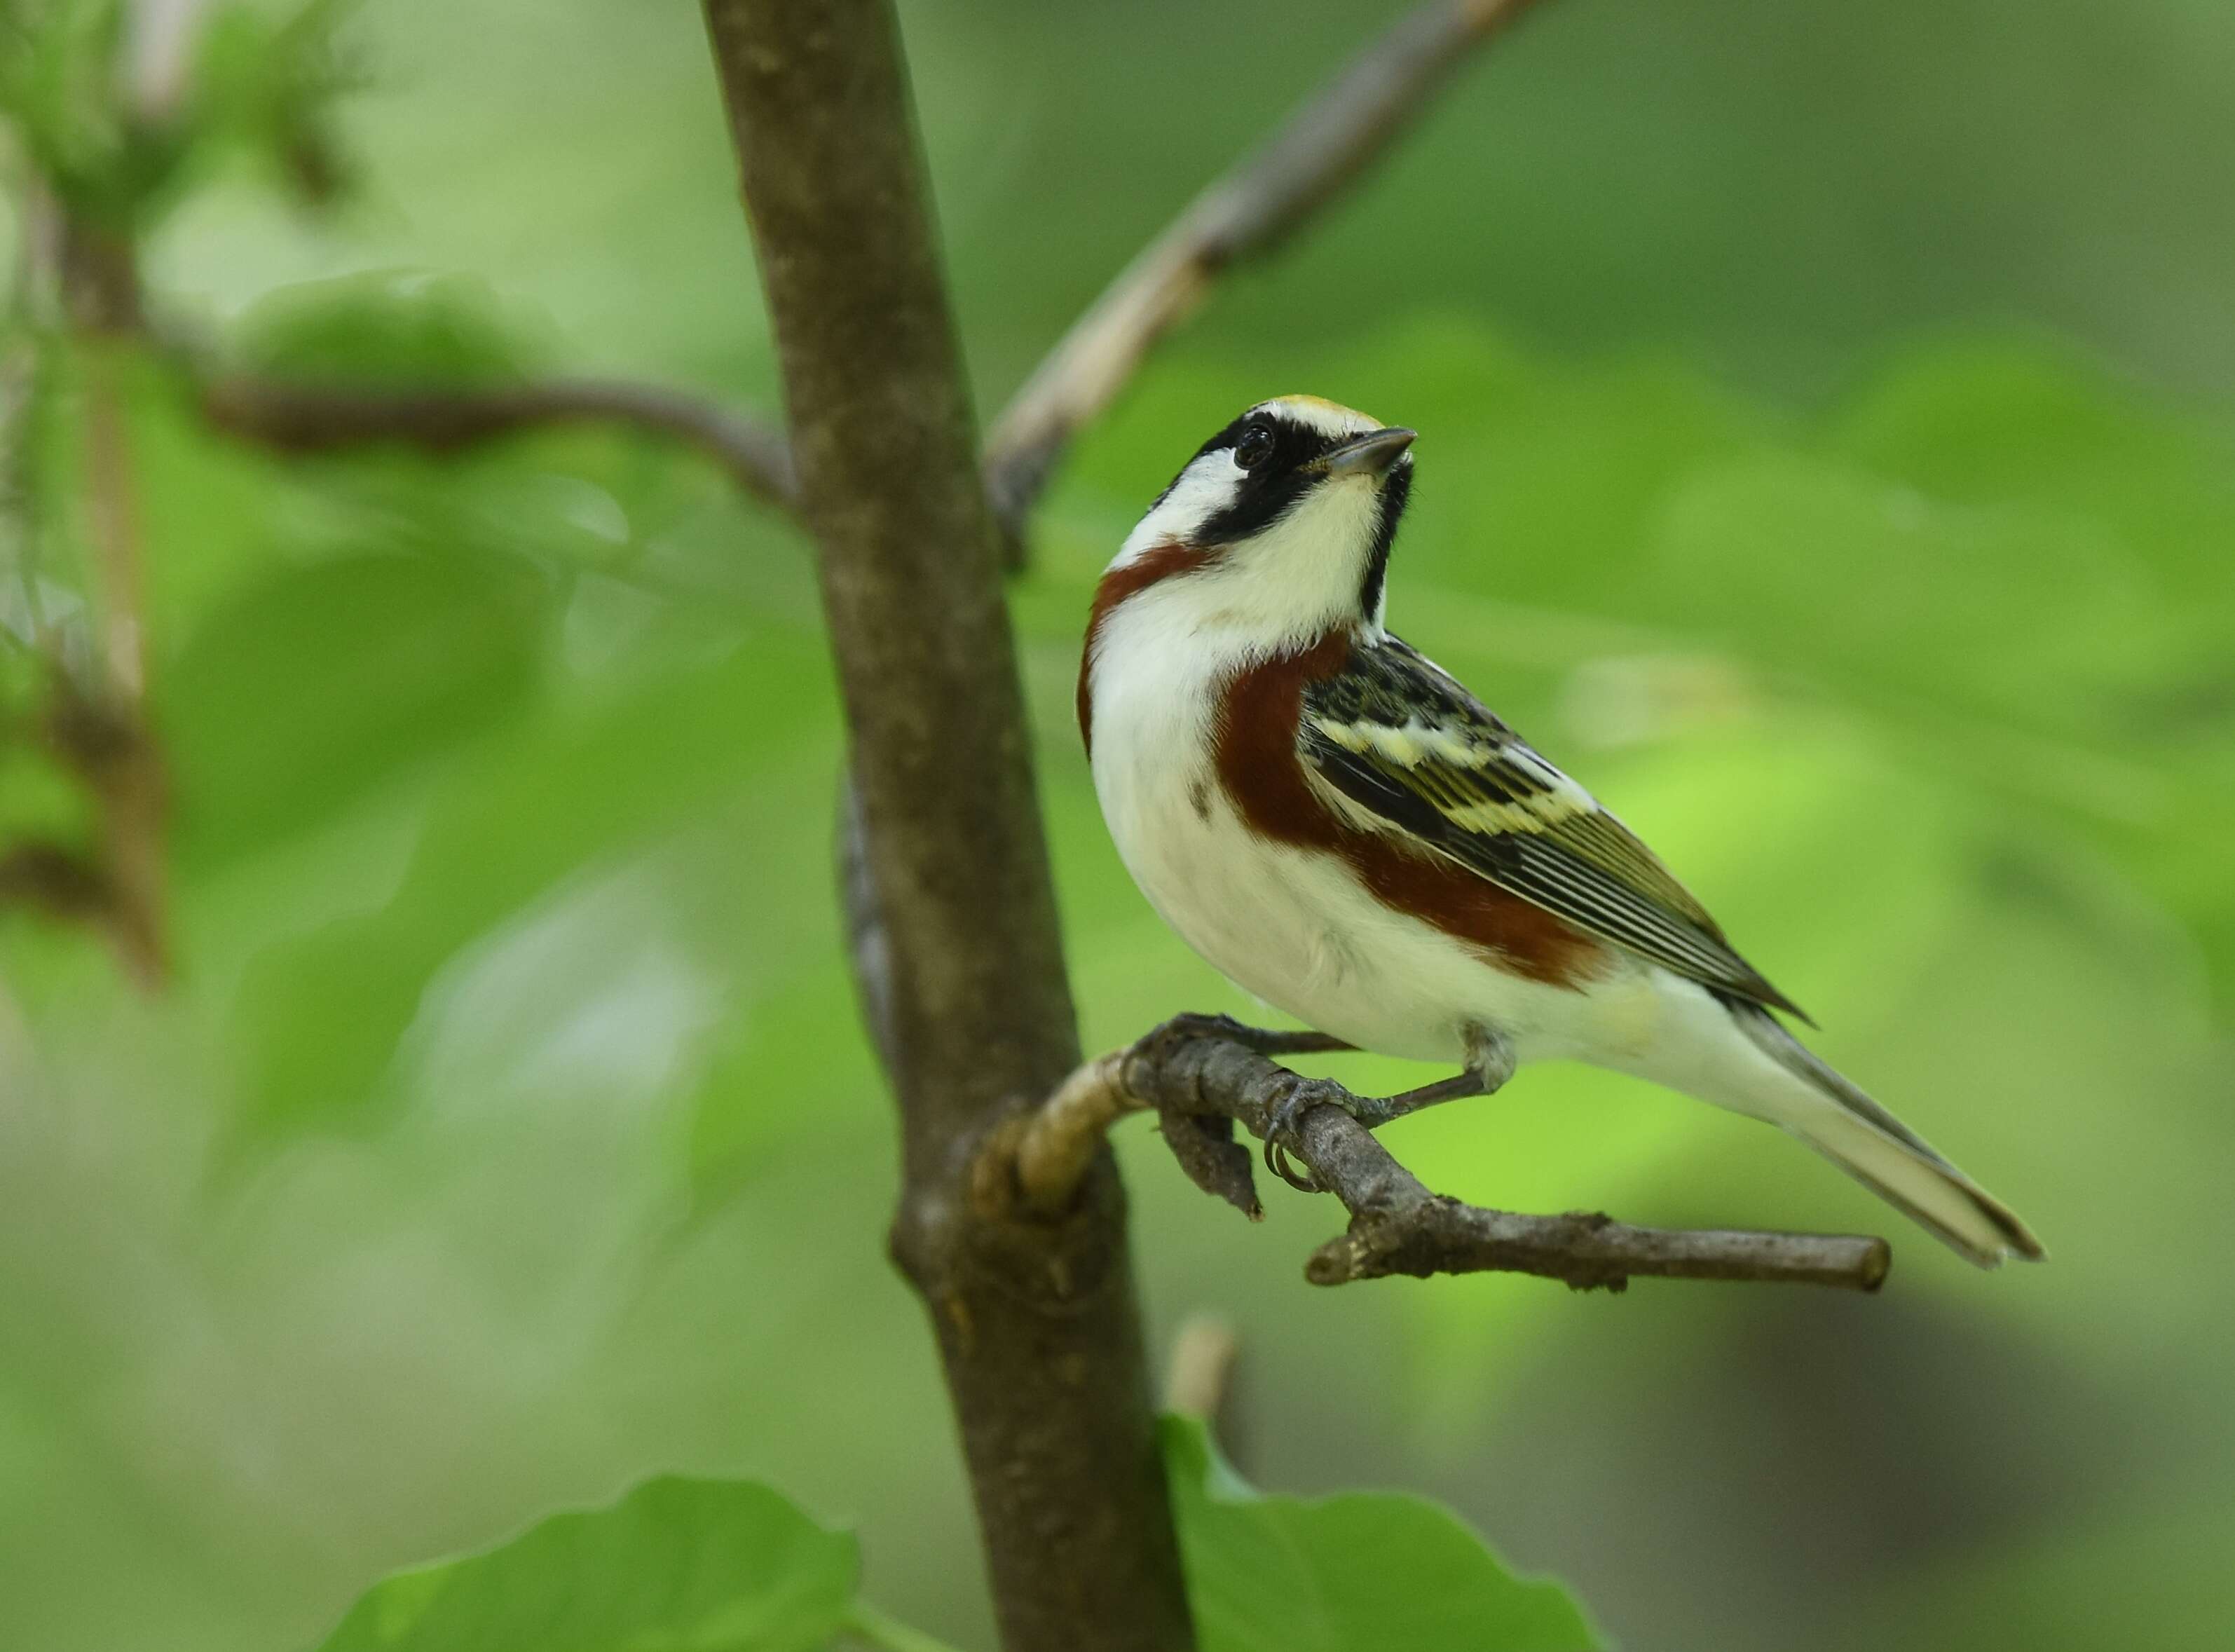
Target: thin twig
[(103, 737), (54, 879), (1203, 1379), (301, 418), (101, 729), (1324, 145), (1188, 1073), (112, 512)]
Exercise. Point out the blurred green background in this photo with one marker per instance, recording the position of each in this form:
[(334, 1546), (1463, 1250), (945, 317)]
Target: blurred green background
[(1828, 452)]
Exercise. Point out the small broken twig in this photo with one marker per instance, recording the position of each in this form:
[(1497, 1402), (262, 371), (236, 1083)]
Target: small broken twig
[(1199, 1377), (1323, 146), (1201, 1380), (1193, 1071), (102, 727)]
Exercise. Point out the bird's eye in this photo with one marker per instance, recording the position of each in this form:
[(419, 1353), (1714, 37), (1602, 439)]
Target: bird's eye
[(1255, 447)]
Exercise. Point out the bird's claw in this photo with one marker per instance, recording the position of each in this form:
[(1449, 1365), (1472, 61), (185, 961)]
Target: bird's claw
[(1195, 1024), (1280, 1138)]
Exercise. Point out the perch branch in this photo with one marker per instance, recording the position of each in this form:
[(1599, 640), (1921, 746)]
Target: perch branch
[(298, 419), (1193, 1074), (1322, 147)]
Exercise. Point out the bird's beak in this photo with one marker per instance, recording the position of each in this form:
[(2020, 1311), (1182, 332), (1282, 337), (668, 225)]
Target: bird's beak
[(1370, 454)]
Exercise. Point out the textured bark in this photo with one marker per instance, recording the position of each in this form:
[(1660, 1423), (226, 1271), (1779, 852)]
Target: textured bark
[(1035, 1316)]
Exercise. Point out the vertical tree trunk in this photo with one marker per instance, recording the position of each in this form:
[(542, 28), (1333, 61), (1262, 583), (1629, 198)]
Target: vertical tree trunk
[(1036, 1322)]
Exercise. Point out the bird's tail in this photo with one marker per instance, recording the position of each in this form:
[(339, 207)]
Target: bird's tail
[(1844, 1125)]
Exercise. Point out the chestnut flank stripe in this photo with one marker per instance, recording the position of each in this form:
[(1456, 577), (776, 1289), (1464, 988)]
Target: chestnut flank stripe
[(1255, 751)]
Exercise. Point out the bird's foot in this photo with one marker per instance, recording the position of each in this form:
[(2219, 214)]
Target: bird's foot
[(1280, 1140), (1372, 1111), (1262, 1039)]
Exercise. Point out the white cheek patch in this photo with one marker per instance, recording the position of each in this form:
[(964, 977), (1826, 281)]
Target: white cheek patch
[(1209, 484), (1299, 574)]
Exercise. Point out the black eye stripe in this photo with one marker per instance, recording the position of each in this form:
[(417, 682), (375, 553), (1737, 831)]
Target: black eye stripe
[(1266, 495), (1270, 483)]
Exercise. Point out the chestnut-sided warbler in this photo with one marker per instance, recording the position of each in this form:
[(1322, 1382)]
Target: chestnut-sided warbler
[(1345, 831)]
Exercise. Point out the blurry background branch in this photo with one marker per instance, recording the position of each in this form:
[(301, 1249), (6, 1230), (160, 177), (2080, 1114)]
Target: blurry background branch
[(1322, 147), (78, 279), (1201, 1078), (308, 418)]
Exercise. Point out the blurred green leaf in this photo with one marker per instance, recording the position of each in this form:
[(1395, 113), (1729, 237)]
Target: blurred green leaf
[(1358, 1572), (1905, 608), (396, 327), (271, 83), (120, 119), (676, 1564), (320, 683), (319, 1015), (2023, 423), (58, 89)]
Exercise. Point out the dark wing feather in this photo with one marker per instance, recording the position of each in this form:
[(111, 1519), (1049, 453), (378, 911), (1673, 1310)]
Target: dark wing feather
[(1402, 740)]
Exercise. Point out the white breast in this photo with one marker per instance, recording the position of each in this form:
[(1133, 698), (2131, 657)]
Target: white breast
[(1292, 926)]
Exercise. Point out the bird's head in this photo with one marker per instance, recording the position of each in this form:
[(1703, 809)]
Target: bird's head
[(1280, 525)]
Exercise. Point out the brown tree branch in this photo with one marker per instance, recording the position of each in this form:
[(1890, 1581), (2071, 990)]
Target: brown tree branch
[(301, 418), (1035, 1318), (1322, 147), (1189, 1070)]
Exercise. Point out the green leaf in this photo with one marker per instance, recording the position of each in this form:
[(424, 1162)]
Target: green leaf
[(2023, 424), (384, 327), (320, 1015), (677, 1565), (1359, 1572), (321, 682)]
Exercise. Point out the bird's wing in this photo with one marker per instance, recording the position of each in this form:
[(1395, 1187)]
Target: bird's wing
[(1404, 742)]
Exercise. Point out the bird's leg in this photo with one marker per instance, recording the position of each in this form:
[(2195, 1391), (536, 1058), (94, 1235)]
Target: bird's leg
[(1490, 1064), (1489, 1056), (1262, 1039)]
